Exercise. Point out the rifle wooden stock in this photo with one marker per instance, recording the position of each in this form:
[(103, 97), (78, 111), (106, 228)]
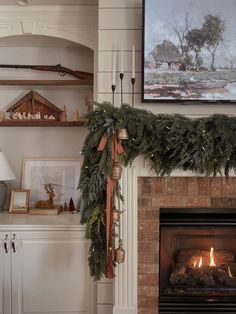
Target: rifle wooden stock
[(51, 68)]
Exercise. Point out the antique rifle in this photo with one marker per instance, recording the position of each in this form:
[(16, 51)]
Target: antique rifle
[(52, 68)]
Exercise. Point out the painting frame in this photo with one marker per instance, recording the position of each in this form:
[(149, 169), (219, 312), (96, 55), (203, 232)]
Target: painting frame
[(192, 99), (62, 173), (19, 201)]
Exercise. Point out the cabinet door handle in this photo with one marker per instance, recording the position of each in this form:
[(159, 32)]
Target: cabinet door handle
[(5, 243), (13, 244)]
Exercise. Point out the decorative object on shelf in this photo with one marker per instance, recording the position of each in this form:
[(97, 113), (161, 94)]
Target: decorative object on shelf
[(88, 102), (120, 253), (19, 203), (75, 116), (71, 205), (63, 115), (121, 74), (62, 174), (34, 106), (206, 146), (51, 68), (65, 207), (2, 116), (6, 174), (49, 202)]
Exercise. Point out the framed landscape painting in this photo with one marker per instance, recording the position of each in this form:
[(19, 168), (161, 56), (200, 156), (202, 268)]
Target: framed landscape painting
[(189, 50)]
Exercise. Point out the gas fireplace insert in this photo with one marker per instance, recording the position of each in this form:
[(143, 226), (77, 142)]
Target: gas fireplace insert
[(197, 260)]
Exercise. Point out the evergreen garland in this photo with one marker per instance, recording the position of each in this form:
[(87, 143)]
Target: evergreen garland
[(205, 145)]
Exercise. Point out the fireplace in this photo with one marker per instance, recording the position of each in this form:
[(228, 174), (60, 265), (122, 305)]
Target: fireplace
[(197, 260)]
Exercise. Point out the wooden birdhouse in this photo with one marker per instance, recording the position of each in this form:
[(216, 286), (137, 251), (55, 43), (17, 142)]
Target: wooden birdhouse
[(34, 104)]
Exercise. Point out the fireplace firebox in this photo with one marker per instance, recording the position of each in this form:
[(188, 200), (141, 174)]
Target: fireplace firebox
[(197, 260)]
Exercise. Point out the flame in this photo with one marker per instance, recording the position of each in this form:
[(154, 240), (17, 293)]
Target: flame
[(200, 262), (229, 271), (212, 260), (195, 264)]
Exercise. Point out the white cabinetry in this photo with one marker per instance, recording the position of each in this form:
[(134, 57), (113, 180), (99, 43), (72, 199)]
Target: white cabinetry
[(45, 271)]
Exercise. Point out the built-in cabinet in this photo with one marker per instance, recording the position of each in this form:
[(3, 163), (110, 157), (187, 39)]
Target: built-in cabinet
[(44, 271)]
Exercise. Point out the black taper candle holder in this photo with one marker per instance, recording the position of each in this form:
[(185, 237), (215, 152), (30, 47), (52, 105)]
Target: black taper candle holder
[(113, 88), (133, 83), (121, 87)]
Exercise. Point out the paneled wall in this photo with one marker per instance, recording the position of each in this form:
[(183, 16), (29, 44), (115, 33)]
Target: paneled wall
[(120, 25)]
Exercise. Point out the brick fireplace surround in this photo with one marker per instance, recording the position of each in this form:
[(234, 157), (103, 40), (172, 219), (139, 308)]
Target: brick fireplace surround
[(156, 192)]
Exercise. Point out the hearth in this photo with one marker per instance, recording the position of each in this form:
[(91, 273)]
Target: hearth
[(197, 260)]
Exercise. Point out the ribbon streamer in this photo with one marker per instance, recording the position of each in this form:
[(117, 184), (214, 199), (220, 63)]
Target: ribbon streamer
[(116, 149)]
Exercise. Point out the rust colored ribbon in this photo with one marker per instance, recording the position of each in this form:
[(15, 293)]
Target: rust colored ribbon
[(116, 149)]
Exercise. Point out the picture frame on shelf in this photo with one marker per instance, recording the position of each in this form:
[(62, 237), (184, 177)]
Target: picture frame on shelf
[(62, 173), (19, 203), (189, 54)]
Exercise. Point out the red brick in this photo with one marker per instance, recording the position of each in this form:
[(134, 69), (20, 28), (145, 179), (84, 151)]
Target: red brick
[(147, 310), (148, 279), (158, 201), (148, 214), (227, 186), (148, 269), (216, 186), (172, 201), (148, 291), (148, 258), (169, 186), (192, 186), (147, 301), (148, 246), (144, 202), (146, 185), (158, 186), (148, 225), (148, 236), (181, 186), (195, 201), (203, 187), (223, 202)]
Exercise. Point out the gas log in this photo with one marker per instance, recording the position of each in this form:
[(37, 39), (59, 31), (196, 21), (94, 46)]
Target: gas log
[(193, 269)]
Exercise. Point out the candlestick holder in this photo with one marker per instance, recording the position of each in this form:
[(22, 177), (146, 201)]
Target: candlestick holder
[(121, 87), (133, 83), (113, 88)]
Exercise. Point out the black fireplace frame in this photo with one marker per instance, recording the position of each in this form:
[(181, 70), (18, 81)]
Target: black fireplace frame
[(196, 217)]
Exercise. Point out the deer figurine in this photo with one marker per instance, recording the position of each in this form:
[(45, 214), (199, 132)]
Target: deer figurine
[(47, 203)]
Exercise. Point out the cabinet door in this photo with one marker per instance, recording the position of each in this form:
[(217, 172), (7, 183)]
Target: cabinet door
[(50, 274), (5, 273)]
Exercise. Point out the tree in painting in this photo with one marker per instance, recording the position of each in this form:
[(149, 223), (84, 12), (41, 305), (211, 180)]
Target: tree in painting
[(191, 57), (212, 30)]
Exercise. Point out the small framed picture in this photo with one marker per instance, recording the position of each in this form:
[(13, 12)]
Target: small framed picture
[(19, 201)]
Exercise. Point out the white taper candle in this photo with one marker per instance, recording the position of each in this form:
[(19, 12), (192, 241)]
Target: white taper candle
[(133, 62), (122, 61), (114, 69)]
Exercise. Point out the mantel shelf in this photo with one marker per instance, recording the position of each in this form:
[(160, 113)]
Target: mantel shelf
[(46, 82), (41, 123)]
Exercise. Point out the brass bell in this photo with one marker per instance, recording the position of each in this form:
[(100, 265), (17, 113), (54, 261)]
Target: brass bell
[(116, 172), (115, 215), (119, 253), (122, 134)]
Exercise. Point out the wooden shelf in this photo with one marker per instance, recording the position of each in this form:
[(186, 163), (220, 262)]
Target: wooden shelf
[(39, 123), (46, 82)]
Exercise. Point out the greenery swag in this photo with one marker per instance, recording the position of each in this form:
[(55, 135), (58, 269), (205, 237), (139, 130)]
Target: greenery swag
[(206, 145)]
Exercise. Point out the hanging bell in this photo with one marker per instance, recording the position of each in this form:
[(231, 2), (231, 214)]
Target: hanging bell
[(119, 253), (115, 215), (116, 172), (122, 134)]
